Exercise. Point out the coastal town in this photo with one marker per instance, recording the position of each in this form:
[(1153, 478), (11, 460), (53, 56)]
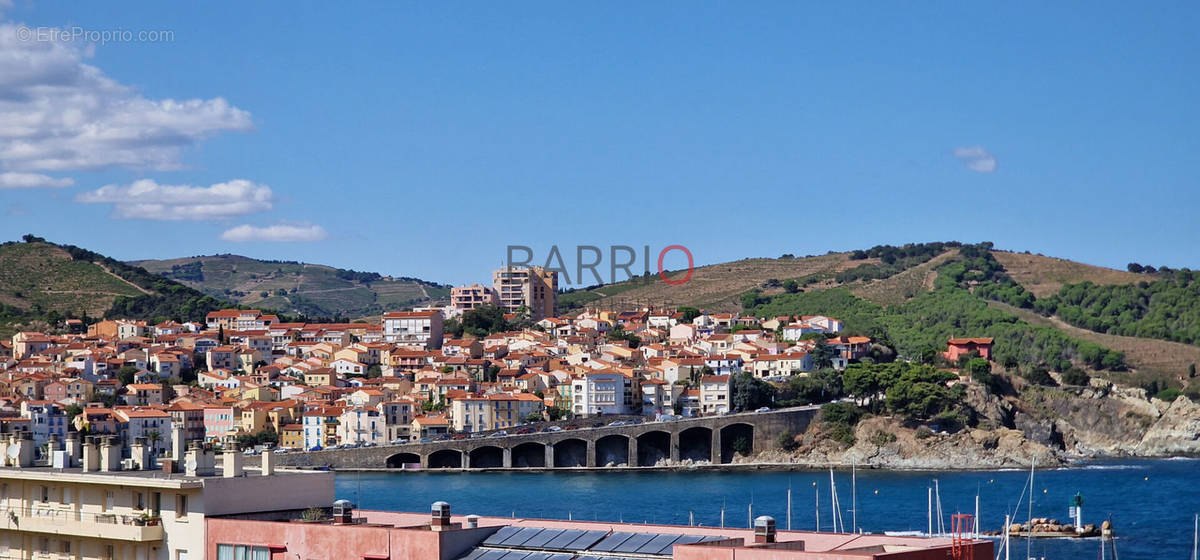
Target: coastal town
[(99, 400), (254, 381)]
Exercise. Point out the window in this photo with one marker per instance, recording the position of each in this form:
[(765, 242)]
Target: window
[(139, 500), (181, 507), (242, 552)]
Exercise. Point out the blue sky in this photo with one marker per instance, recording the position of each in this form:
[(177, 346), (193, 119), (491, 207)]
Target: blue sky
[(417, 139)]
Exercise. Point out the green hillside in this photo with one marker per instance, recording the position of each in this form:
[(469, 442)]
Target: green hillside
[(1050, 312), (294, 287), (42, 283)]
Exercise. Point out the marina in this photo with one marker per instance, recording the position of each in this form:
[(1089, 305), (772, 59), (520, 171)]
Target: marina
[(1150, 500)]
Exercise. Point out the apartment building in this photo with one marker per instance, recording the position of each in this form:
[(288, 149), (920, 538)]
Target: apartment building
[(414, 328), (596, 393), (715, 394), (533, 287), (94, 507), (465, 298), (361, 425)]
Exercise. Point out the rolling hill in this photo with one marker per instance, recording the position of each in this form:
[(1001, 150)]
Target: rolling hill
[(294, 287), (42, 283), (912, 296)]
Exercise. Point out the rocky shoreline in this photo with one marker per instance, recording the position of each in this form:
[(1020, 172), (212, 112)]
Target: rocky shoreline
[(1053, 427)]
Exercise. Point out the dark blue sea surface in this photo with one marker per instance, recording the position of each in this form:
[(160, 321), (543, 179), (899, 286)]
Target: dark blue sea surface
[(1151, 502)]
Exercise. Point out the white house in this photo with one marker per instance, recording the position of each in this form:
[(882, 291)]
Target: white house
[(601, 392)]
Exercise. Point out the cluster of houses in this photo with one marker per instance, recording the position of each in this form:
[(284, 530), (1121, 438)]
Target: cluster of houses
[(317, 385)]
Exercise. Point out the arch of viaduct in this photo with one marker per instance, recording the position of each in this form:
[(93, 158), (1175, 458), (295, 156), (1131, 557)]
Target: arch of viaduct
[(713, 439)]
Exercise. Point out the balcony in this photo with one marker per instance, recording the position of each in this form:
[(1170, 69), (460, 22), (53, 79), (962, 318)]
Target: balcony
[(57, 521)]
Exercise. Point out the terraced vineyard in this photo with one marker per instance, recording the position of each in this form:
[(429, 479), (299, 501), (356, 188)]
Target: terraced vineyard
[(309, 289)]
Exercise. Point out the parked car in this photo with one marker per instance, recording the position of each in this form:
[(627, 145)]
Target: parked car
[(476, 435), (426, 440), (571, 427), (501, 433), (399, 441), (460, 436), (618, 423), (552, 429), (369, 444), (315, 448), (764, 409), (525, 431)]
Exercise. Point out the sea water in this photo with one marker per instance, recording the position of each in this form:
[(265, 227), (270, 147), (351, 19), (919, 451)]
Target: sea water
[(1151, 502)]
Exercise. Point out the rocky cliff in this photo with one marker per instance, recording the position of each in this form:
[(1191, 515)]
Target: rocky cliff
[(1054, 426)]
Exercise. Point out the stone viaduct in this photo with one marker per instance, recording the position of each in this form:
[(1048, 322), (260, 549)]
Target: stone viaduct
[(712, 438)]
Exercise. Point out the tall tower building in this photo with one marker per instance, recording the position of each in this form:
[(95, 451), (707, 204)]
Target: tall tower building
[(533, 287)]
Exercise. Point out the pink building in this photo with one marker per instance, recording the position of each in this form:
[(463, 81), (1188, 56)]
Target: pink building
[(218, 421), (383, 535)]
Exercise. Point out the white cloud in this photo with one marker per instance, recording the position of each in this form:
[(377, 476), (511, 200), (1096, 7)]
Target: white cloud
[(148, 200), (282, 232), (14, 180), (976, 158), (59, 114)]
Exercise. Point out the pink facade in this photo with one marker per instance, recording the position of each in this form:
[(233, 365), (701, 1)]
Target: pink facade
[(218, 421), (324, 541), (383, 535)]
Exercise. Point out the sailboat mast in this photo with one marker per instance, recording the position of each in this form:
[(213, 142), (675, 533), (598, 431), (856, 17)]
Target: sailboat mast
[(789, 508), (1007, 521), (929, 511), (1195, 535), (817, 504), (976, 527), (853, 499), (1029, 532)]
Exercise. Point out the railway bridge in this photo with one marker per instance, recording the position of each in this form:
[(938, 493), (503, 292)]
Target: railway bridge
[(714, 439)]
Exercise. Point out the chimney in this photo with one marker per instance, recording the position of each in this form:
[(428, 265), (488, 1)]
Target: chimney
[(764, 529), (138, 453), (208, 464), (441, 516), (343, 512), (232, 464), (91, 455), (191, 463), (472, 521), (25, 452), (110, 455), (73, 447), (178, 443), (268, 462), (52, 443)]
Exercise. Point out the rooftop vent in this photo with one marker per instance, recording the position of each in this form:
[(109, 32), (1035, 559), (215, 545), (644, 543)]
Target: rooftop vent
[(441, 516), (343, 511), (764, 529)]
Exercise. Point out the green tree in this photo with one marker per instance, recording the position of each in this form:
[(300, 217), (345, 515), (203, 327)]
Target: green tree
[(1075, 376), (125, 374), (688, 314), (791, 286), (484, 320), (750, 392)]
